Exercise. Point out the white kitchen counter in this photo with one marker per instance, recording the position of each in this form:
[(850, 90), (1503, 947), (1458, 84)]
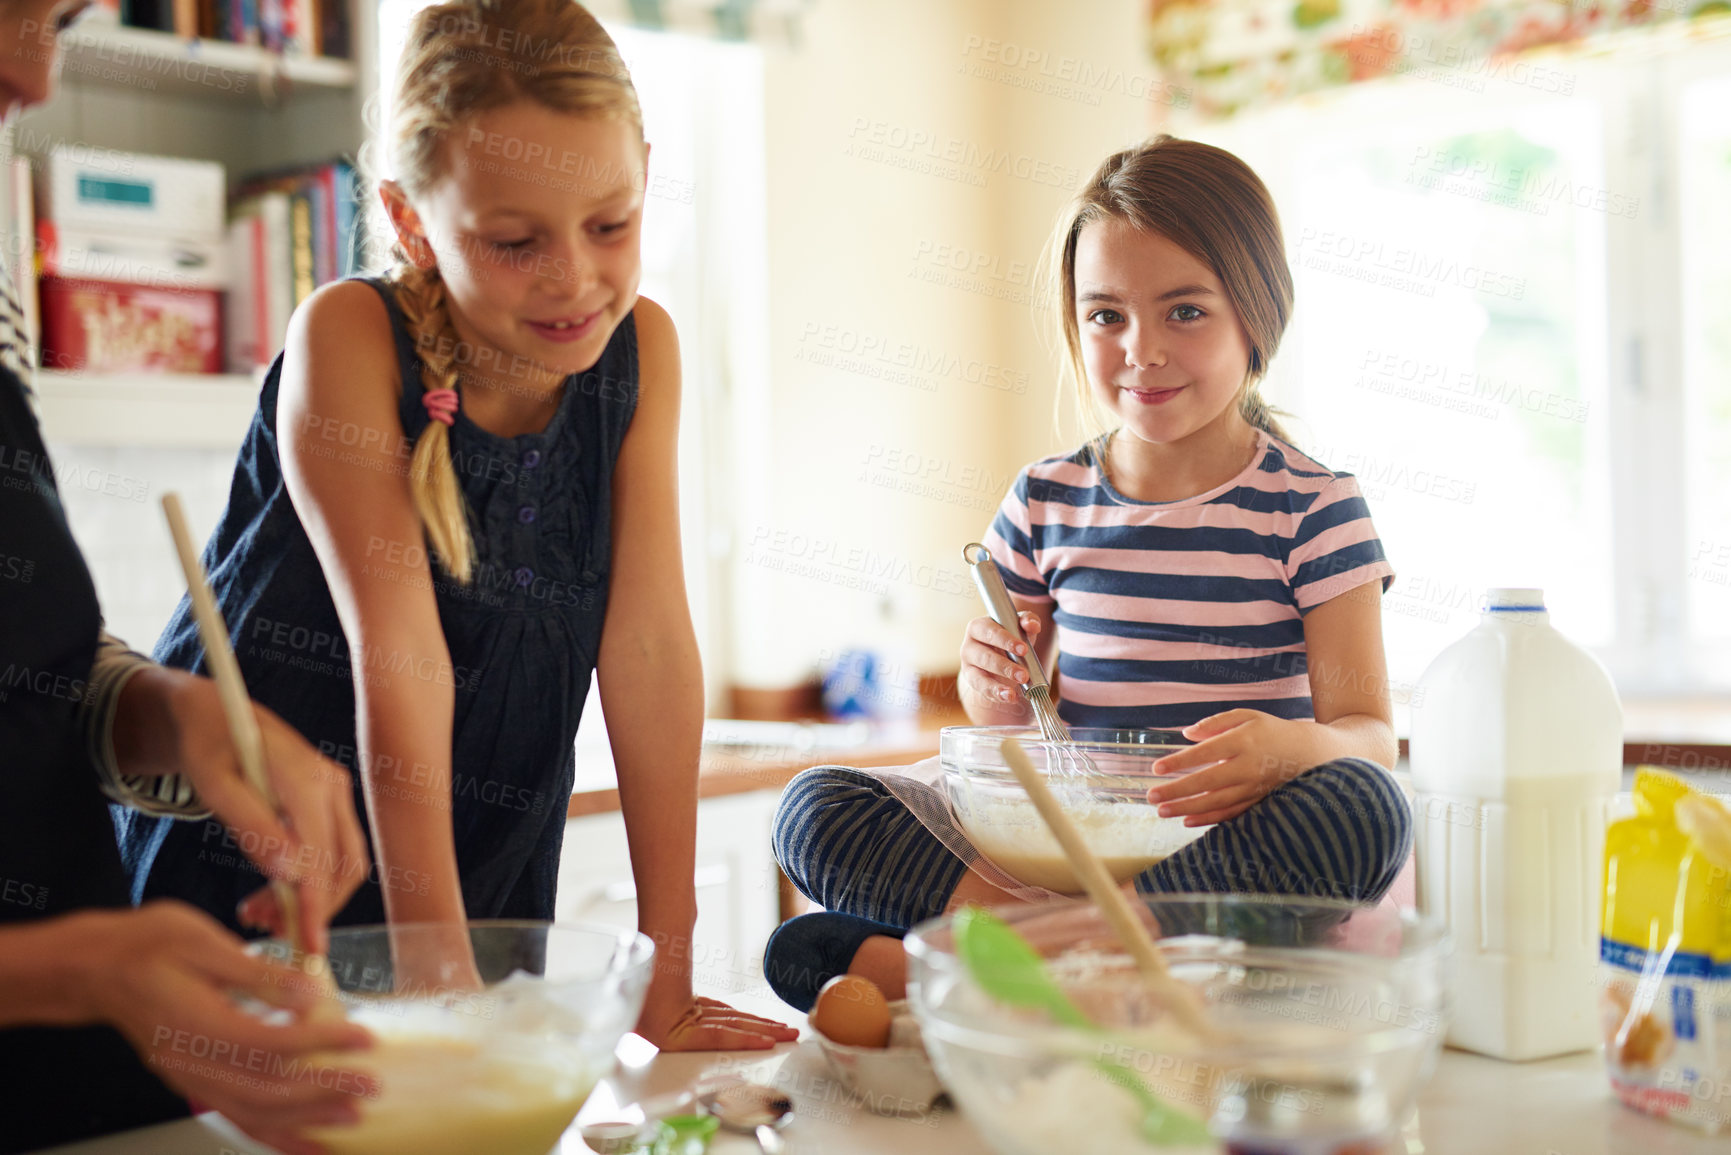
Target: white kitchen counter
[(1473, 1106)]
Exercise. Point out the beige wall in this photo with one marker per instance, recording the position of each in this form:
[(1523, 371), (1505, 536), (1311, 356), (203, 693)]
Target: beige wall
[(901, 392)]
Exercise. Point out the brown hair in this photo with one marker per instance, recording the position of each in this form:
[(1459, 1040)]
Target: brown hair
[(1208, 203), (461, 59)]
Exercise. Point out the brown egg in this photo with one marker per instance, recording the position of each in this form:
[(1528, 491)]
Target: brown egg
[(852, 1011)]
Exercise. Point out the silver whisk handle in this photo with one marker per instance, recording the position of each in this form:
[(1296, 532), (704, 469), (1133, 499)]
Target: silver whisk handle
[(1001, 608)]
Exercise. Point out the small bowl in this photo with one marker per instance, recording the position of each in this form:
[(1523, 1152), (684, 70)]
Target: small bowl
[(619, 1137), (1108, 805), (894, 1080)]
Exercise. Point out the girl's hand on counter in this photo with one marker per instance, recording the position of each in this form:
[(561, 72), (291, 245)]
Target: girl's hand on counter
[(320, 849), (712, 1025), (163, 975), (674, 1020)]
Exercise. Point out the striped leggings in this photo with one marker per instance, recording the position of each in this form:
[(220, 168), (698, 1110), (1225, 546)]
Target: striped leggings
[(1341, 830)]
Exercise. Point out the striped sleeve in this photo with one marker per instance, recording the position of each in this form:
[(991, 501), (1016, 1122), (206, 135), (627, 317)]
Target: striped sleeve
[(1335, 548), (15, 351), (167, 794), (1011, 540)]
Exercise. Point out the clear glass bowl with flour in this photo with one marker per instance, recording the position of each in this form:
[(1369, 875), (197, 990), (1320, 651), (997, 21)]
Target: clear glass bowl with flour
[(1331, 1016), (503, 1068), (1102, 780)]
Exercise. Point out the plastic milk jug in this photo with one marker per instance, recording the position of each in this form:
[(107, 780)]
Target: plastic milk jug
[(1516, 750)]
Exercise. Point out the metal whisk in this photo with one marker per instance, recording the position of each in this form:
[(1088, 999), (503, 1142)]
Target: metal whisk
[(1066, 758)]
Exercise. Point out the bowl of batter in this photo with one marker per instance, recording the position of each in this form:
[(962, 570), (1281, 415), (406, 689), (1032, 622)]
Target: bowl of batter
[(1102, 781), (490, 1035)]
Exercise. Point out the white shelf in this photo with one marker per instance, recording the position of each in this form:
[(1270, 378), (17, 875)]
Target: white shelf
[(161, 410), (141, 60)]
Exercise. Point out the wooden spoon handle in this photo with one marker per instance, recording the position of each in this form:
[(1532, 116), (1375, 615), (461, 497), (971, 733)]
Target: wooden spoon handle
[(1180, 999), (231, 689)]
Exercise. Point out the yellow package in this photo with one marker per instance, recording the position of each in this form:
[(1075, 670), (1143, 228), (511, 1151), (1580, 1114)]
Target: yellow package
[(1665, 954)]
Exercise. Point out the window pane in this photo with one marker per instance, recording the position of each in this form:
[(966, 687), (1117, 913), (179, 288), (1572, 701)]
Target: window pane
[(1447, 347), (1706, 191)]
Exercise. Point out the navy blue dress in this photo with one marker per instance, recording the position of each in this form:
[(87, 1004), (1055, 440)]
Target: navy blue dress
[(523, 638)]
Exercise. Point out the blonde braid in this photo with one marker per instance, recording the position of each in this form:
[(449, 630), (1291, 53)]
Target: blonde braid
[(432, 479), (461, 59)]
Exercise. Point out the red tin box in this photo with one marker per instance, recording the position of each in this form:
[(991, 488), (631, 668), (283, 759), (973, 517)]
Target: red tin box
[(113, 327)]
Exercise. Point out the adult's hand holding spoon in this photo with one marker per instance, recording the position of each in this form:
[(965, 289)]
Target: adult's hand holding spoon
[(170, 721), (165, 974)]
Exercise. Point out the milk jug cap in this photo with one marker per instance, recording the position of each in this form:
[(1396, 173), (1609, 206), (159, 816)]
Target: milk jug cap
[(1515, 601)]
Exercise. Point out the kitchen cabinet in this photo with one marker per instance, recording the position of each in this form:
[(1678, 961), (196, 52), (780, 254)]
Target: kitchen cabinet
[(738, 896)]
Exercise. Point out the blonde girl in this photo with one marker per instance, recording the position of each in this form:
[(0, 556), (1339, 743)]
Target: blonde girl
[(457, 503), (1188, 568)]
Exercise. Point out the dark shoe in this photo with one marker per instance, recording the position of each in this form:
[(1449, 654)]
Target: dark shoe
[(807, 951)]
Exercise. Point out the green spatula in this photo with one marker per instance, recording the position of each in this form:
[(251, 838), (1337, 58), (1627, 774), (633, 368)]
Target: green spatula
[(1010, 970)]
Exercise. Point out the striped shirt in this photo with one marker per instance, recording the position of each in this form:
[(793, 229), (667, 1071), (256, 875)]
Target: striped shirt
[(1170, 611)]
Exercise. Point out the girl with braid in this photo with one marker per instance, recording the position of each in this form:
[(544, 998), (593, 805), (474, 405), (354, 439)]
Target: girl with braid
[(457, 504)]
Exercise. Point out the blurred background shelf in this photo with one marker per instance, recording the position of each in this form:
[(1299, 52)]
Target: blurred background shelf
[(140, 59), (160, 410)]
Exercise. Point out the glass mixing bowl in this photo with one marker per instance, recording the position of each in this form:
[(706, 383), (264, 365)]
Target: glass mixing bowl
[(1331, 1014), (1102, 782), (503, 1068)]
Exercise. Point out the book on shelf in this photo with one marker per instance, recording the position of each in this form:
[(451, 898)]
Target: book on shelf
[(333, 29), (304, 18), (289, 233), (297, 27), (261, 285)]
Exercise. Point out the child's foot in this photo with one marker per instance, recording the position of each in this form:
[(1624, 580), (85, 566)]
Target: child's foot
[(807, 951), (882, 959)]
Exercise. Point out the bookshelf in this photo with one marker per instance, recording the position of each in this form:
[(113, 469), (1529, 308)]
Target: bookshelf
[(247, 108), (155, 410), (140, 60)]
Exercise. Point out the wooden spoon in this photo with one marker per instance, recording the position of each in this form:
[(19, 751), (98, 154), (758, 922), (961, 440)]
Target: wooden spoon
[(1178, 998), (243, 730)]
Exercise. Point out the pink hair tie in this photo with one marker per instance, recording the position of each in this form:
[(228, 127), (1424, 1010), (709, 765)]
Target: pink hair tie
[(441, 404)]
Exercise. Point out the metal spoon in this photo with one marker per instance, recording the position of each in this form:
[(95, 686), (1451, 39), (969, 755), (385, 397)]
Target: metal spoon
[(752, 1109), (616, 1137), (637, 1126)]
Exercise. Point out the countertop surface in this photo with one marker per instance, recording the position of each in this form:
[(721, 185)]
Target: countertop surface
[(1472, 1106), (1691, 734)]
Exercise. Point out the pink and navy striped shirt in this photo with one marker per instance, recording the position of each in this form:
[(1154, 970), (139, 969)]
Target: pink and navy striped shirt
[(1168, 612)]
